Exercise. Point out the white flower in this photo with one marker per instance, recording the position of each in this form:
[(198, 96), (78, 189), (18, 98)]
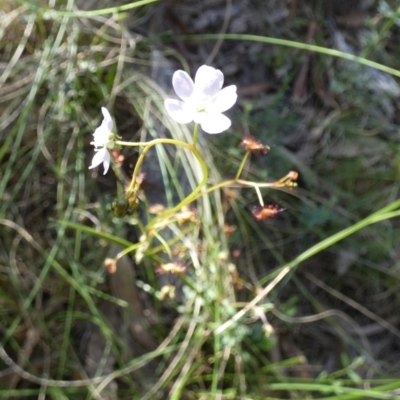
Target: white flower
[(103, 140), (203, 101), (101, 156)]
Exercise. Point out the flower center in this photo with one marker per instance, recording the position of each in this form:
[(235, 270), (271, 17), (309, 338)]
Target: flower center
[(109, 143), (200, 108)]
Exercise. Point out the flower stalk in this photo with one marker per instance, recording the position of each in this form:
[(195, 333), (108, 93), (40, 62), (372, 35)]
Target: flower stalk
[(195, 134), (242, 164)]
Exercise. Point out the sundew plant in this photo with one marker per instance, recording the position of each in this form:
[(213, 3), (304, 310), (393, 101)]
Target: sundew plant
[(189, 215), (202, 102)]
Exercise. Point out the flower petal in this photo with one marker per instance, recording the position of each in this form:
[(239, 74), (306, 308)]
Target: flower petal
[(179, 111), (106, 162), (183, 84), (101, 156), (107, 121), (223, 100), (215, 123), (208, 81), (102, 134)]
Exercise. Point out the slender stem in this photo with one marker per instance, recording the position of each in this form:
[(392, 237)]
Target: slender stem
[(240, 182), (246, 156), (187, 282), (139, 162), (258, 191), (195, 133), (154, 250), (286, 181), (164, 244), (131, 144), (127, 250), (220, 185)]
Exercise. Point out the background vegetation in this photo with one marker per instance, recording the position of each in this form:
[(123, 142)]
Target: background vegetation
[(304, 305)]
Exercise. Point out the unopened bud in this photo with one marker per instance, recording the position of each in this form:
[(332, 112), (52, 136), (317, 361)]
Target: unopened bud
[(111, 265)]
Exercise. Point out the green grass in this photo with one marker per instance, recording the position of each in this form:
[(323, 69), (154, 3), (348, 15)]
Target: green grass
[(203, 334)]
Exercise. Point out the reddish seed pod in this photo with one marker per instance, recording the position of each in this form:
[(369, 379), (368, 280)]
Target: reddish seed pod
[(265, 212), (250, 143)]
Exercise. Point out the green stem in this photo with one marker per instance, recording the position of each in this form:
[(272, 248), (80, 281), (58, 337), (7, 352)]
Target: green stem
[(164, 244), (187, 282), (241, 182), (170, 242), (195, 134), (246, 156), (139, 162), (260, 199), (127, 251), (131, 144)]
